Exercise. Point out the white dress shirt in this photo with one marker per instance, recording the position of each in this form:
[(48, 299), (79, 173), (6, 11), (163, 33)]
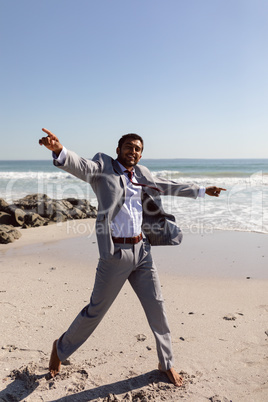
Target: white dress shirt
[(127, 223)]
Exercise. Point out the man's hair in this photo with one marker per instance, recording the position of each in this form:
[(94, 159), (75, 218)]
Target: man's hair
[(131, 136)]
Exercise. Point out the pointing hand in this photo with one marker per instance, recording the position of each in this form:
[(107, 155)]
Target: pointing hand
[(51, 142), (214, 191)]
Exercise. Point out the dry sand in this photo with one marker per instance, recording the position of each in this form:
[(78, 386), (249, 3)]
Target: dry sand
[(218, 320)]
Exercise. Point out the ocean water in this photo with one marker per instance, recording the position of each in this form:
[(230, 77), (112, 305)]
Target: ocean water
[(243, 207)]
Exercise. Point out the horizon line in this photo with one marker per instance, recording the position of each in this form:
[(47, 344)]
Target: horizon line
[(190, 158)]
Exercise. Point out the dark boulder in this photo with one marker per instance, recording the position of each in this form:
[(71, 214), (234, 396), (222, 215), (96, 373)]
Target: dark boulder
[(5, 218), (16, 214)]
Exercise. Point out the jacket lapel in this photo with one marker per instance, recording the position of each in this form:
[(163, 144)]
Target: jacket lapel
[(139, 176), (123, 182)]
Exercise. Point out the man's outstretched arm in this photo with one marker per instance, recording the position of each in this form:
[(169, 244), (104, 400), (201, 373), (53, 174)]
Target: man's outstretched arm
[(192, 190), (69, 161), (51, 142)]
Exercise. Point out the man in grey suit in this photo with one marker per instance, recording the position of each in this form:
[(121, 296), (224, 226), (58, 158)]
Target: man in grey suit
[(130, 218)]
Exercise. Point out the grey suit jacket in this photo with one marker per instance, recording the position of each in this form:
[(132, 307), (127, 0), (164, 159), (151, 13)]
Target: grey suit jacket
[(108, 182)]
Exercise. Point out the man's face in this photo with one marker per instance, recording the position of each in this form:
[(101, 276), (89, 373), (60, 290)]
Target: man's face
[(130, 153)]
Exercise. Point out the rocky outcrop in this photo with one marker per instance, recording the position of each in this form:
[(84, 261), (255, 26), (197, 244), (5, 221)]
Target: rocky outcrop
[(39, 209), (8, 234)]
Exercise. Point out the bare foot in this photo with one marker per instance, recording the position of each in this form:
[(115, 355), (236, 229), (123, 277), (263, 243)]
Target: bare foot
[(54, 362), (173, 376)]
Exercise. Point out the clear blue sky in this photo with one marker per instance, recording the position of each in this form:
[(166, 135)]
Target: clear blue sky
[(190, 76)]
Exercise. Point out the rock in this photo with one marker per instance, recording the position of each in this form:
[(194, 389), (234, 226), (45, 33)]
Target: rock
[(229, 317), (33, 220), (80, 203), (217, 398), (38, 203), (39, 209), (32, 201), (141, 337), (92, 212), (3, 204), (45, 209), (62, 208), (76, 213), (55, 209), (18, 217), (17, 214), (84, 206), (8, 234), (74, 201), (63, 204), (58, 217), (266, 332), (5, 218)]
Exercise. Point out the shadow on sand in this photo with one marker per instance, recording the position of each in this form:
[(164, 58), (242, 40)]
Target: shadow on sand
[(25, 384)]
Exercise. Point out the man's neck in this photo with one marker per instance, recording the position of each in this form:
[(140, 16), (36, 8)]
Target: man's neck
[(130, 168)]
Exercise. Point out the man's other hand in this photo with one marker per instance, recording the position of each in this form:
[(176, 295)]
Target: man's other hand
[(51, 142), (214, 191)]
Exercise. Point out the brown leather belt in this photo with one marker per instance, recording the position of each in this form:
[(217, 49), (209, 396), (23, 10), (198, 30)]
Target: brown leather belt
[(128, 240)]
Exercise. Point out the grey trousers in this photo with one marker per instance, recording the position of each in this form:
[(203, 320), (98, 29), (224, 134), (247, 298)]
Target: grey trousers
[(132, 262)]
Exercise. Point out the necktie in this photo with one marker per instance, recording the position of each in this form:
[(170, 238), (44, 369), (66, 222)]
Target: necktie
[(130, 176)]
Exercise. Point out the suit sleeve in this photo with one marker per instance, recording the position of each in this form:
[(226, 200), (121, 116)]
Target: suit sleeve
[(82, 168), (173, 188), (168, 187)]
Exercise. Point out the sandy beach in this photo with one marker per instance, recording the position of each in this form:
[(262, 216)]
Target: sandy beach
[(215, 286)]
